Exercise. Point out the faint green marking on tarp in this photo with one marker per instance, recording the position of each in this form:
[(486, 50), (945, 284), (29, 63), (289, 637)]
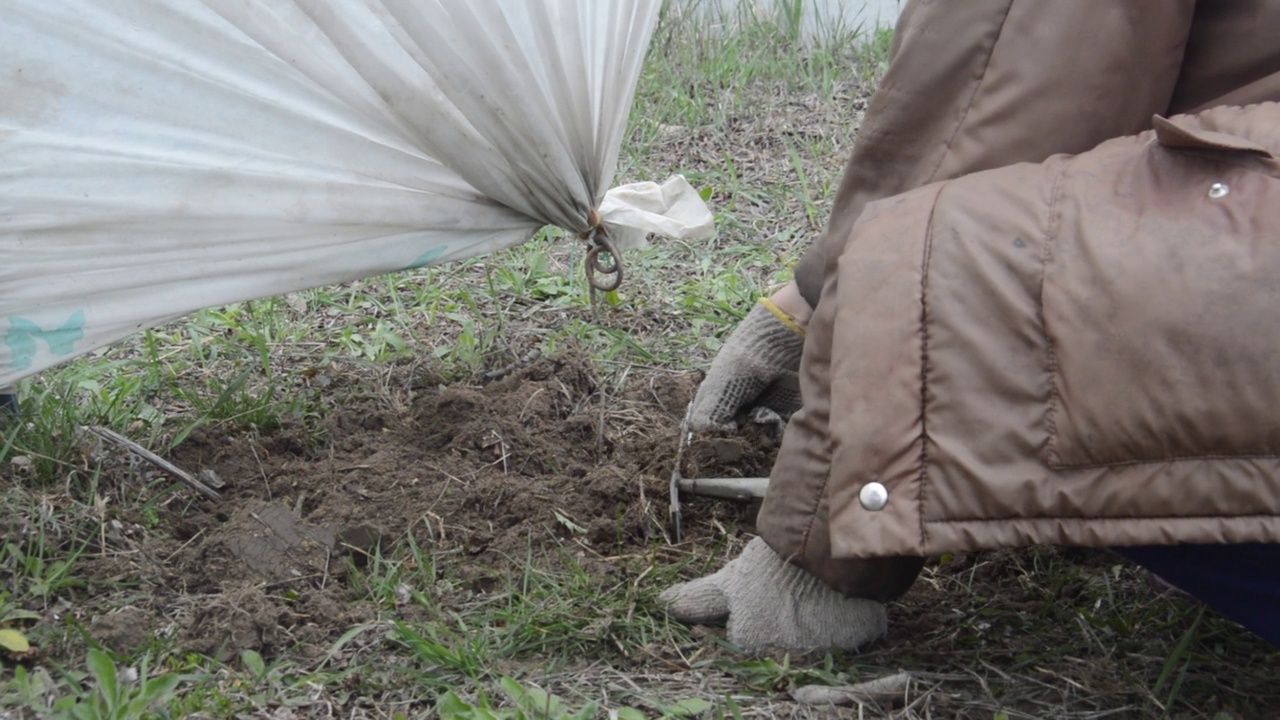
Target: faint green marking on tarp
[(23, 334), (427, 257)]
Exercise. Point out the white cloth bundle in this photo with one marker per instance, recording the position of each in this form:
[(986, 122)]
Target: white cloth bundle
[(162, 156)]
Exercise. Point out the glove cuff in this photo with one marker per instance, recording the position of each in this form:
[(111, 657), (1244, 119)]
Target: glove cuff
[(761, 564), (787, 319), (771, 342)]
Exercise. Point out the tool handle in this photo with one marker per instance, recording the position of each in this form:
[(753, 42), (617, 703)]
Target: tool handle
[(732, 488)]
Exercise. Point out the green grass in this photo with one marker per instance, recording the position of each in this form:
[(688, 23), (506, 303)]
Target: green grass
[(762, 121)]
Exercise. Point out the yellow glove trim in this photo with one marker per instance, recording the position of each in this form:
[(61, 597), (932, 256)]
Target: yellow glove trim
[(783, 316)]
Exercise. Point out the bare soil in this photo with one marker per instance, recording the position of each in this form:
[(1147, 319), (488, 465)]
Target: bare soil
[(471, 472), (547, 457)]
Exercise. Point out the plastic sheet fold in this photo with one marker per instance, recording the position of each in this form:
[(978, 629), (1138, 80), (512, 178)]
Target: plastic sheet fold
[(162, 156)]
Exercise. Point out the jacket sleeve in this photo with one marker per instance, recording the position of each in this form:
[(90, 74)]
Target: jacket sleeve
[(1000, 82)]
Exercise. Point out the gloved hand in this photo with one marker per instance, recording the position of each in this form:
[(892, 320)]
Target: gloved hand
[(771, 604), (754, 367)]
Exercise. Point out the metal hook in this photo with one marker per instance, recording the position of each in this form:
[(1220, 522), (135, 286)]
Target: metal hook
[(595, 265)]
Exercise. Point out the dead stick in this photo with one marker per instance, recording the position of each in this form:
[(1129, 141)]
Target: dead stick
[(883, 689), (133, 447)]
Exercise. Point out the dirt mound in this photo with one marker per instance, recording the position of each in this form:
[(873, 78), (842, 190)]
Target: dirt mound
[(542, 455)]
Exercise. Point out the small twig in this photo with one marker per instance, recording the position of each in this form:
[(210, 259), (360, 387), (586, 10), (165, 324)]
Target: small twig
[(519, 363), (502, 449), (440, 523), (133, 447), (600, 437), (264, 523), (288, 581), (266, 481), (600, 425), (184, 545)]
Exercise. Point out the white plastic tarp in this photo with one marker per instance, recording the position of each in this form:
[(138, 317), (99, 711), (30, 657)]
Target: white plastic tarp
[(162, 156)]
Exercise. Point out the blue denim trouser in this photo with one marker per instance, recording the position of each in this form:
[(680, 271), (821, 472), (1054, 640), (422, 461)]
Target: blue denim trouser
[(1239, 581)]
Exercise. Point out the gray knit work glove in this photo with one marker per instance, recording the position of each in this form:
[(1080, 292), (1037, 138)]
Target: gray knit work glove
[(751, 369), (771, 604)]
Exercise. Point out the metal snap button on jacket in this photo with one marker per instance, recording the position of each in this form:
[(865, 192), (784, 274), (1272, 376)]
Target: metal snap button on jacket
[(873, 496)]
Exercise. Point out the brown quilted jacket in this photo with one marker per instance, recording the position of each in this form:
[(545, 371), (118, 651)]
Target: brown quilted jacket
[(1073, 347)]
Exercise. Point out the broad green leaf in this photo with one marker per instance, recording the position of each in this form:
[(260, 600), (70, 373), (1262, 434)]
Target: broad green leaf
[(691, 706), (104, 671), (160, 688), (511, 687), (571, 526), (20, 614), (452, 707), (347, 637), (13, 641), (541, 702), (253, 662)]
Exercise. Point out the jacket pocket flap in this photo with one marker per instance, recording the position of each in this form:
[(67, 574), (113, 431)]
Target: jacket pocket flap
[(1180, 137)]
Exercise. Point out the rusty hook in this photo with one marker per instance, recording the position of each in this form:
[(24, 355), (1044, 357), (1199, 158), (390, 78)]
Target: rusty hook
[(598, 245)]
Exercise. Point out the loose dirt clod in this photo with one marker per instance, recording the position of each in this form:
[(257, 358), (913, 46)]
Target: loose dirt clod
[(124, 630), (276, 544)]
